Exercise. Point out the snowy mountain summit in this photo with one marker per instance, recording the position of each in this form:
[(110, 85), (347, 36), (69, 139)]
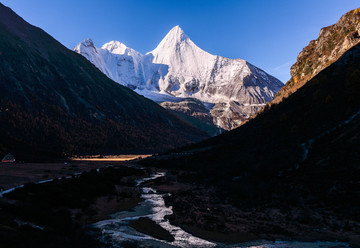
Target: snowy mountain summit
[(230, 89)]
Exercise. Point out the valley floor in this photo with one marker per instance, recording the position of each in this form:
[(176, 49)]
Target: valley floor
[(16, 174), (56, 213), (199, 209)]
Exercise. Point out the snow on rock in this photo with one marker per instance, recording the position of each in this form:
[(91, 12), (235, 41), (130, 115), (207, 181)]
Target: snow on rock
[(177, 69)]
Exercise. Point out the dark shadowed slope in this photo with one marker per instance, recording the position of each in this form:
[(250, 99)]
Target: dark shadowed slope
[(274, 140), (292, 172), (308, 141), (53, 101)]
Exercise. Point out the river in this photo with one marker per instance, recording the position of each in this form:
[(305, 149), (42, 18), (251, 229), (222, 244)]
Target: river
[(116, 231)]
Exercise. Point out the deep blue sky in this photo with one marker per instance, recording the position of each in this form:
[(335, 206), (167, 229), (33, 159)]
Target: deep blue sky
[(267, 33)]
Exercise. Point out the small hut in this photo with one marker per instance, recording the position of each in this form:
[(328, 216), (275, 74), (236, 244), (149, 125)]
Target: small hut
[(9, 158)]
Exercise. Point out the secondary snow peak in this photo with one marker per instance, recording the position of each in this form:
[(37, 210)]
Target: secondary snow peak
[(88, 41), (86, 46), (118, 47)]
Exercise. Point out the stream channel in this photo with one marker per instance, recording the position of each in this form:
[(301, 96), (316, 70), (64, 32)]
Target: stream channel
[(116, 231)]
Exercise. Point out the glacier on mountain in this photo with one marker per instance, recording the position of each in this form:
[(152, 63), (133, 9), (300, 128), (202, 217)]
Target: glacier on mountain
[(231, 89)]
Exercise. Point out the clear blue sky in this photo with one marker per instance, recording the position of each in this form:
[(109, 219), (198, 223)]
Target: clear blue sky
[(267, 33)]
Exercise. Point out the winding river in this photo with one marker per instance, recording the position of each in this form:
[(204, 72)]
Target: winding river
[(116, 230)]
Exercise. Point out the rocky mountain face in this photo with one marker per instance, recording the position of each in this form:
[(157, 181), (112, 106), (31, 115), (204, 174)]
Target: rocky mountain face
[(194, 112), (191, 107), (230, 89), (332, 43), (54, 102)]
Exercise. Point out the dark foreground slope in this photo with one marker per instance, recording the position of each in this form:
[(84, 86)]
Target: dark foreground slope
[(292, 172), (53, 101)]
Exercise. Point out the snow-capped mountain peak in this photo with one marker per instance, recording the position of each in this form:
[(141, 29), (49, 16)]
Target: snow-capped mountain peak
[(176, 34), (177, 68), (117, 47), (173, 41), (87, 44), (179, 52)]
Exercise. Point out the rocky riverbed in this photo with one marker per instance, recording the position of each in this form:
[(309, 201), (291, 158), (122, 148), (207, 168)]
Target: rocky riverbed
[(118, 232)]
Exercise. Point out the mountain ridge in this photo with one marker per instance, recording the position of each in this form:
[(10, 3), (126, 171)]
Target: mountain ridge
[(333, 41), (178, 69)]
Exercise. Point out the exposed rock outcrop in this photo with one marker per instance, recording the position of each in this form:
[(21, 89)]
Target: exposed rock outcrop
[(332, 43)]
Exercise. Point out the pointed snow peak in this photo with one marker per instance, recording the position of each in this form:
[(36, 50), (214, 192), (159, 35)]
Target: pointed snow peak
[(177, 29), (176, 34), (171, 41)]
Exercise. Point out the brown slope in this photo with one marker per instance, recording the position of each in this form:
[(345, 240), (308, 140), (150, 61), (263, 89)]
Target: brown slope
[(53, 101), (332, 43)]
